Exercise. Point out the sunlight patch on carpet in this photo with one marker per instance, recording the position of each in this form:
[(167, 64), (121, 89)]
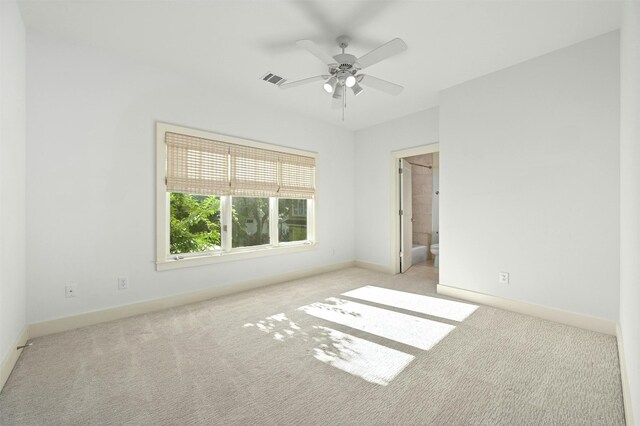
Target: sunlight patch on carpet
[(434, 306), (408, 329), (281, 327), (370, 361), (373, 362)]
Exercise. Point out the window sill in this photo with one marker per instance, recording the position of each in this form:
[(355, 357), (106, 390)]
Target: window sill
[(208, 259)]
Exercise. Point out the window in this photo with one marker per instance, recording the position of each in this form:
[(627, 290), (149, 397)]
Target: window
[(250, 225), (222, 198), (194, 223), (292, 220)]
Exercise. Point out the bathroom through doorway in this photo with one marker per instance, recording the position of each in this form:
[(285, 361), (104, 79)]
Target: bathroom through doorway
[(416, 224)]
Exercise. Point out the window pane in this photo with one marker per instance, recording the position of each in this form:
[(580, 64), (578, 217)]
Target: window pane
[(292, 220), (195, 223), (250, 221)]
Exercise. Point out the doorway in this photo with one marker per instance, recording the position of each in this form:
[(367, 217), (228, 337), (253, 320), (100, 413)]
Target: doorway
[(415, 205)]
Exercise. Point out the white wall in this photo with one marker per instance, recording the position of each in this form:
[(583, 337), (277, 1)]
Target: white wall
[(12, 176), (90, 179), (373, 179), (529, 180), (630, 197)]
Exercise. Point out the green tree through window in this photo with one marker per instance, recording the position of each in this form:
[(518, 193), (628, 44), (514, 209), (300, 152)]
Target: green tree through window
[(250, 221), (195, 223), (292, 220)]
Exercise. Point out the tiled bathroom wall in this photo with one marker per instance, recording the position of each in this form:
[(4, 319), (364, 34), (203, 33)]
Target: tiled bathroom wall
[(422, 187)]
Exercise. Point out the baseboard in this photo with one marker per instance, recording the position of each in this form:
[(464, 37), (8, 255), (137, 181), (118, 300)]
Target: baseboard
[(626, 393), (94, 317), (12, 357), (374, 267), (574, 319)]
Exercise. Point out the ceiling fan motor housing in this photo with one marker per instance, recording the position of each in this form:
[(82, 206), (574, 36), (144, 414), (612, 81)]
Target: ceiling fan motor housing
[(345, 60), (345, 66)]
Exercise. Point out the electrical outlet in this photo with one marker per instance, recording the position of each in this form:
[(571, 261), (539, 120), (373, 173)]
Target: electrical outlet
[(123, 283), (503, 277), (70, 290)]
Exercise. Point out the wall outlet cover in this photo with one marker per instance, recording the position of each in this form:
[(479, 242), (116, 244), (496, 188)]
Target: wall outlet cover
[(503, 277), (123, 283), (70, 290)]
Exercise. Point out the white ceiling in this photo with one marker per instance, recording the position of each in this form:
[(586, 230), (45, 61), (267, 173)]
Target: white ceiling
[(233, 43)]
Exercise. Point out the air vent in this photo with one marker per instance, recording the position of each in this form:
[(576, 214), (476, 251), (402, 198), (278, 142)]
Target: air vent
[(274, 79)]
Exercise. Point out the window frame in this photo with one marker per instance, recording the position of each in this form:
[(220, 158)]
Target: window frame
[(166, 261)]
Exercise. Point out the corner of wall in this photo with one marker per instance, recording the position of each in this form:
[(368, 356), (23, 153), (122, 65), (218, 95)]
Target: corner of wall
[(626, 391), (628, 335), (10, 360), (12, 184)]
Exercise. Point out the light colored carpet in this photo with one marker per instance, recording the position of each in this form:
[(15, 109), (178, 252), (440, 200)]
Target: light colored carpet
[(230, 361)]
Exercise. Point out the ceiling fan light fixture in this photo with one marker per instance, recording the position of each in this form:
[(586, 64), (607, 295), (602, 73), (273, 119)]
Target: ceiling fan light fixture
[(330, 85), (357, 89), (338, 92), (350, 81)]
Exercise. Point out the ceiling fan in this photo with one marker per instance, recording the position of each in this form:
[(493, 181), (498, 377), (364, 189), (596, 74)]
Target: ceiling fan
[(344, 70)]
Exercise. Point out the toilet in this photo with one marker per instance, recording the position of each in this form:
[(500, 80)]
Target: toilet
[(434, 251)]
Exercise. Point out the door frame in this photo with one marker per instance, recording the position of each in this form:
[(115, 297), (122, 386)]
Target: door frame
[(405, 180), (395, 195)]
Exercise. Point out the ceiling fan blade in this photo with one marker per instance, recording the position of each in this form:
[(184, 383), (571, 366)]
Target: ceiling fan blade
[(304, 81), (382, 85), (383, 52), (316, 51)]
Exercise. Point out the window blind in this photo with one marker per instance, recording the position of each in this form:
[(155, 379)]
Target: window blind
[(254, 171), (203, 166), (297, 176), (196, 165)]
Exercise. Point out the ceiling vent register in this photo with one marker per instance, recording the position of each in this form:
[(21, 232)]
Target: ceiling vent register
[(274, 79)]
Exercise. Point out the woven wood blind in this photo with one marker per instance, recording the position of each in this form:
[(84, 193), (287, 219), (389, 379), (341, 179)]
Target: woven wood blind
[(297, 176), (208, 167), (254, 171), (196, 165)]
